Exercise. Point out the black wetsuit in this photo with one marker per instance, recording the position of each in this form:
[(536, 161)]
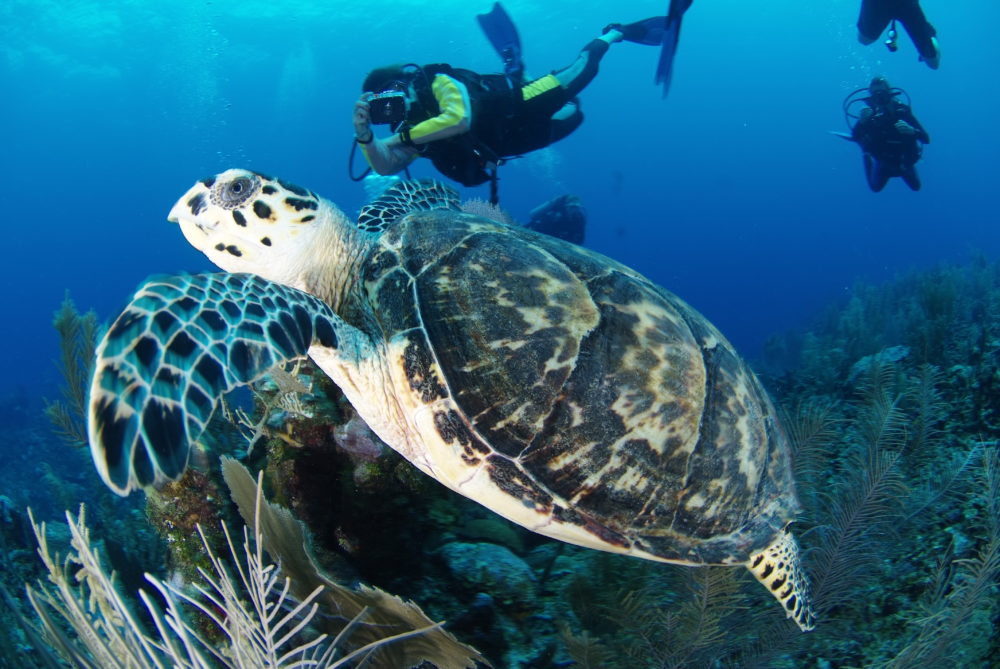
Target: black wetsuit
[(508, 118), (887, 152), (875, 15)]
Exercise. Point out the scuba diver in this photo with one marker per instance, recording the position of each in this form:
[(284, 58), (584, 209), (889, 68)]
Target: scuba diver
[(890, 136), (563, 217), (468, 123), (875, 15)]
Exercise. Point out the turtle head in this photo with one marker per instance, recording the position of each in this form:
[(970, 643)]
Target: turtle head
[(247, 222)]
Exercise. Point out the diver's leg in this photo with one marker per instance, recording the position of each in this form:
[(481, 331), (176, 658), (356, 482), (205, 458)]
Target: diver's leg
[(583, 70), (548, 103), (544, 97), (872, 20), (921, 32), (875, 173), (910, 177), (879, 176), (565, 120), (867, 161)]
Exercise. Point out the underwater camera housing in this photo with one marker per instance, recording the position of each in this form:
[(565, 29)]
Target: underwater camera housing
[(891, 43), (388, 107)]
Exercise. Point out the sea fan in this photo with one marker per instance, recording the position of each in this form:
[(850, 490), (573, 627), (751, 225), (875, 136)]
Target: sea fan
[(364, 617), (257, 614)]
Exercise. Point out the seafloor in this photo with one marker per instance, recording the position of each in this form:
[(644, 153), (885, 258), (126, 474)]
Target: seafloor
[(891, 399)]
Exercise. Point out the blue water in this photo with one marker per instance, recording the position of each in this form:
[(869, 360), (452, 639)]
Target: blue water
[(731, 192)]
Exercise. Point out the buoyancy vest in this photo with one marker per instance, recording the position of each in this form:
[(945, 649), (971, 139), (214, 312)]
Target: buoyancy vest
[(501, 126)]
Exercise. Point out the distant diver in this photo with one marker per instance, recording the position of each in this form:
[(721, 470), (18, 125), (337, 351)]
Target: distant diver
[(563, 217), (468, 123), (876, 15), (890, 136)]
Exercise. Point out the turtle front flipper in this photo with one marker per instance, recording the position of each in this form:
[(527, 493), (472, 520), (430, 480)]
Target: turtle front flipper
[(180, 345), (779, 568), (404, 197)]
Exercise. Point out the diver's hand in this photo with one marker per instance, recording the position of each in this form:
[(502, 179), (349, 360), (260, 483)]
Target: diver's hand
[(905, 128), (362, 120)]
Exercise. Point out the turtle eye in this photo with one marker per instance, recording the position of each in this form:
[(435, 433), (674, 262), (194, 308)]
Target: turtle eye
[(231, 194)]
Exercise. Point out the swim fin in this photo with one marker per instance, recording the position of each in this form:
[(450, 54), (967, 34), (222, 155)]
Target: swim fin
[(648, 31), (842, 135), (502, 34), (672, 35)]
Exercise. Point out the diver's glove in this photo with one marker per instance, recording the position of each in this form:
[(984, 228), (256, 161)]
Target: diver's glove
[(905, 128)]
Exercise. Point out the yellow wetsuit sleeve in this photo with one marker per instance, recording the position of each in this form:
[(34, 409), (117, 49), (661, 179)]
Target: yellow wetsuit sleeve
[(456, 113)]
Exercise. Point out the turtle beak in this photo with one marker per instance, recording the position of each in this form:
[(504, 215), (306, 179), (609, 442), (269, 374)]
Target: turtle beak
[(189, 209), (193, 213)]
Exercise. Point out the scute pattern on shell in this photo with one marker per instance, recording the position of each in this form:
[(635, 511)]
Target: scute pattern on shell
[(589, 393)]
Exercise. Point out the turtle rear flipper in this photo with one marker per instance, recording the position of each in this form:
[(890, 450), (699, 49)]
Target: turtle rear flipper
[(180, 345), (779, 568)]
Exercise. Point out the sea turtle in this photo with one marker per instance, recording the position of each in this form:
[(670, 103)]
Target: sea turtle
[(551, 384)]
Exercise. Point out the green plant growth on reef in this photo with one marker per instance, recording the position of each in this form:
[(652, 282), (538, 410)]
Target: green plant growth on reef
[(262, 615), (77, 341), (892, 403), (188, 514)]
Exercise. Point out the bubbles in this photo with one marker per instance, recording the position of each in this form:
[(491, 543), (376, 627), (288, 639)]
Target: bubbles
[(297, 84)]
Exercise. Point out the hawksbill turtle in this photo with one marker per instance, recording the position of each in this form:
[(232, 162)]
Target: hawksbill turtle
[(559, 388)]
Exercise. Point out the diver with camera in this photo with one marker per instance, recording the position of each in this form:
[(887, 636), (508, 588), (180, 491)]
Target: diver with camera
[(467, 124)]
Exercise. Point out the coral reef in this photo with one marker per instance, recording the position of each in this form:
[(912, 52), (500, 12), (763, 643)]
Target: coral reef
[(259, 615), (187, 514), (485, 567), (892, 402)]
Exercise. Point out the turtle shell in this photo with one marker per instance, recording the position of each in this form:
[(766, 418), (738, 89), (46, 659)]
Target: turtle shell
[(587, 403)]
